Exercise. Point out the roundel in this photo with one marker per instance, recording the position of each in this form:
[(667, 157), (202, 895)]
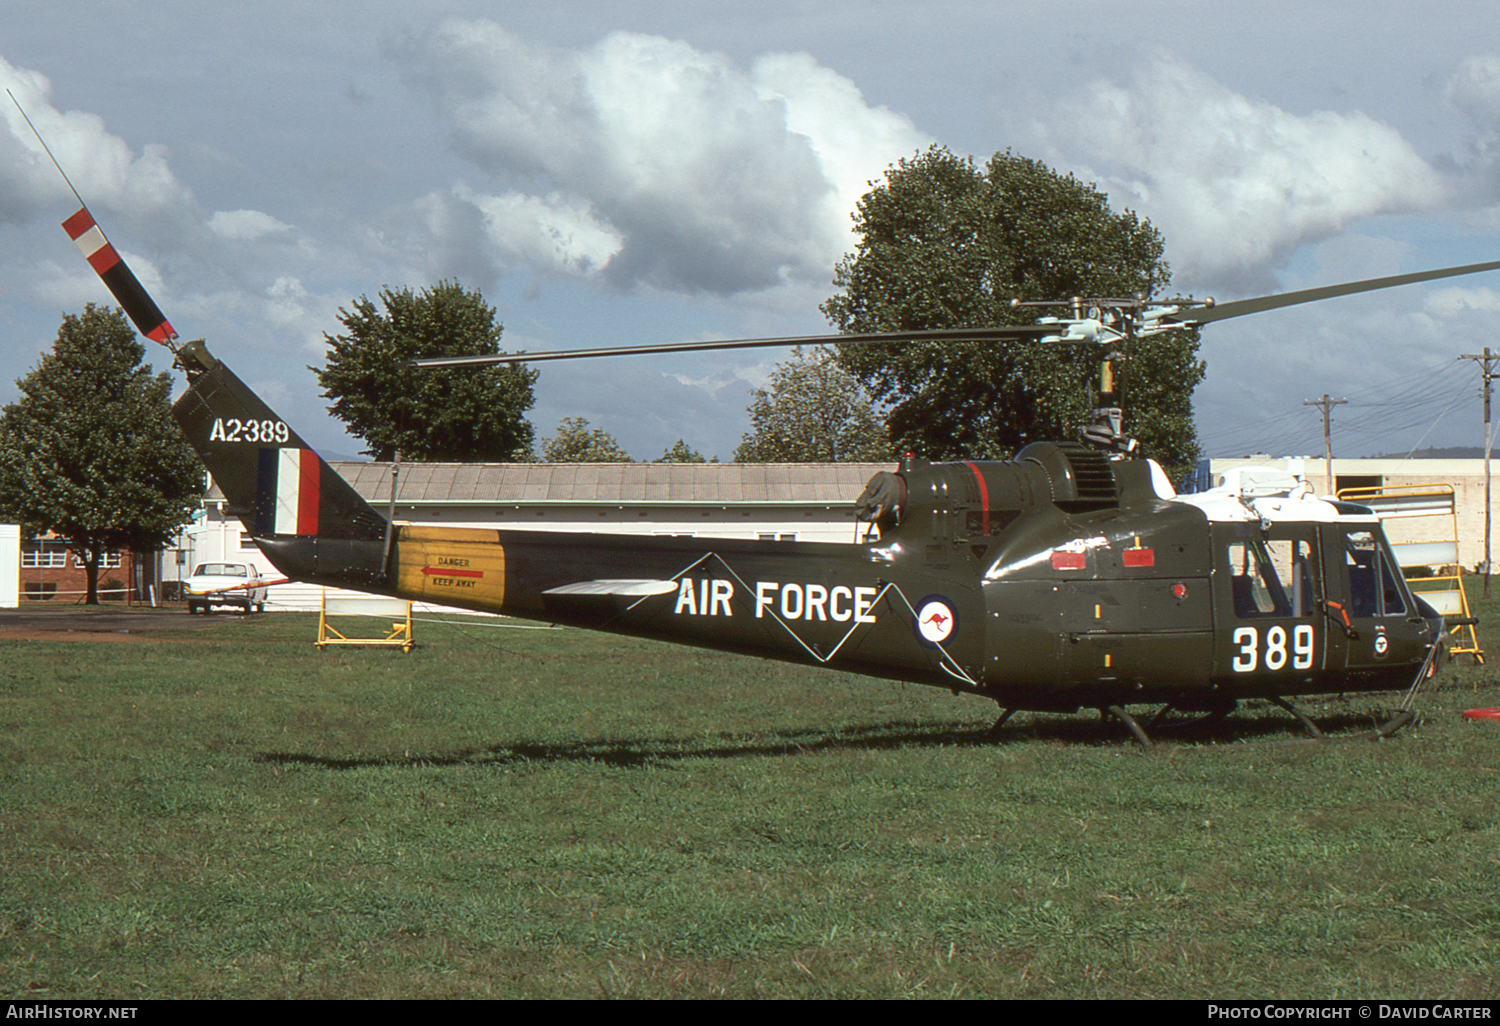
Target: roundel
[(936, 620)]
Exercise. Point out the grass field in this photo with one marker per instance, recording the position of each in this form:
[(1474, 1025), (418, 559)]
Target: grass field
[(508, 813)]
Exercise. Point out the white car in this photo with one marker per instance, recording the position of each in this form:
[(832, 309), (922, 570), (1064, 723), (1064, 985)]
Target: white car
[(225, 584)]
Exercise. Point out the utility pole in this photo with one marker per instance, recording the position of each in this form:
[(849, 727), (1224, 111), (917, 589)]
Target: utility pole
[(1487, 371), (1327, 404)]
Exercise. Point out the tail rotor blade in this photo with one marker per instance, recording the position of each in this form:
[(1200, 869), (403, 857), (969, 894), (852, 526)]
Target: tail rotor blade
[(116, 274)]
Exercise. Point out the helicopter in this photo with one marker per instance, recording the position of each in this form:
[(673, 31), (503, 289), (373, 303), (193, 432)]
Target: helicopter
[(1070, 577)]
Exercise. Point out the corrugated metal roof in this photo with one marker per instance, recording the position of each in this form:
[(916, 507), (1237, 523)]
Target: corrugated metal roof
[(611, 483)]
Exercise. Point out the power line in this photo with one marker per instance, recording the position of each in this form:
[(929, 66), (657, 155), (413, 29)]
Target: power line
[(1382, 409)]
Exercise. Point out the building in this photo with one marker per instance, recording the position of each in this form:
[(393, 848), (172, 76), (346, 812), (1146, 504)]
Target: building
[(48, 572), (777, 501), (1465, 476)]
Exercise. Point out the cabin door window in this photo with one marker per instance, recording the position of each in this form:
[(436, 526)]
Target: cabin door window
[(1270, 589), (1271, 578)]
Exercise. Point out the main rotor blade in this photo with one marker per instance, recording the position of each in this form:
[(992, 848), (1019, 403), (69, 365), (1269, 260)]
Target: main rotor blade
[(933, 335), (1240, 307)]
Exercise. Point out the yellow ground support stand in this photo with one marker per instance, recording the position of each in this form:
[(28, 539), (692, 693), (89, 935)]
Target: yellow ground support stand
[(400, 634), (1434, 546)]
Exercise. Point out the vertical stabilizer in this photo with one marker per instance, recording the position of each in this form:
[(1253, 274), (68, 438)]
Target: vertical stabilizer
[(307, 519)]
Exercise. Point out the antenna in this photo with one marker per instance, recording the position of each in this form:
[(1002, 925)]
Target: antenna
[(47, 149)]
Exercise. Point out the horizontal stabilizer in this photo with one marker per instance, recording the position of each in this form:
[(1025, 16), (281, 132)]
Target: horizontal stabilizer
[(633, 589)]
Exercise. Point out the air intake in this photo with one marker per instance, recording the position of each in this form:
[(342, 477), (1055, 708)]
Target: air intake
[(1082, 479)]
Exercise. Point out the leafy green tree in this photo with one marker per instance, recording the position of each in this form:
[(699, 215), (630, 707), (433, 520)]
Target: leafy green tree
[(681, 452), (461, 414), (813, 411), (576, 442), (90, 450), (946, 244)]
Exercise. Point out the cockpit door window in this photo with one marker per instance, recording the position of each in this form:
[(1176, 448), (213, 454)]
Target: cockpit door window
[(1375, 587)]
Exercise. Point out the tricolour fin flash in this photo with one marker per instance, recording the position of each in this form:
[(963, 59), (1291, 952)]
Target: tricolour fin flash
[(310, 523), (289, 483), (122, 282)]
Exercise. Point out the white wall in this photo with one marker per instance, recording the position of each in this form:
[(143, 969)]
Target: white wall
[(10, 566)]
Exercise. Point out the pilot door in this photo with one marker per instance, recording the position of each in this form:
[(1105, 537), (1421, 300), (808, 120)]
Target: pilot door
[(1268, 591), (1375, 630)]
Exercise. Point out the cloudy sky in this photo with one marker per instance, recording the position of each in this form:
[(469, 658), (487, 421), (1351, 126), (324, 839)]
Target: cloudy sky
[(617, 173)]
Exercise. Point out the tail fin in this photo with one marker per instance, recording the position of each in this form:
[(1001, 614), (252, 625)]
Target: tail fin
[(308, 520), (310, 523)]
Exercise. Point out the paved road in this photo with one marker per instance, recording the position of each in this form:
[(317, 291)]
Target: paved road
[(107, 619)]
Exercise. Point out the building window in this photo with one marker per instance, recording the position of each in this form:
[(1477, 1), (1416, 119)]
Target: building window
[(54, 555), (45, 554), (1343, 481)]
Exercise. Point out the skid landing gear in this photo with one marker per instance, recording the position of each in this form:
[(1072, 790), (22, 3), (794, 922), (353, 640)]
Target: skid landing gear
[(994, 731), (1159, 721), (1312, 728), (1401, 718), (1159, 724), (1130, 724)]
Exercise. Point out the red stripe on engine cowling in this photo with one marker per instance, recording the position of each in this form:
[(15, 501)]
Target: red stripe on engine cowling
[(984, 495)]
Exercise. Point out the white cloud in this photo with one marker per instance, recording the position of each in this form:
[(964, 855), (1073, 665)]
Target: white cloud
[(245, 225), (1235, 184), (1454, 300), (1475, 88), (650, 163), (102, 167), (548, 231)]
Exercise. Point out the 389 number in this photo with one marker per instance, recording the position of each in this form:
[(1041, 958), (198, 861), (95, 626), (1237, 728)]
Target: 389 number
[(1273, 654), (235, 430)]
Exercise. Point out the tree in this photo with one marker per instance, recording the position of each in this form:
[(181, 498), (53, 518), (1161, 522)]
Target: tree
[(437, 414), (576, 442), (813, 411), (90, 451), (681, 452), (944, 244)]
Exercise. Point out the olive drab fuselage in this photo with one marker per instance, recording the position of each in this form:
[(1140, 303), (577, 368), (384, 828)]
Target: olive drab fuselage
[(1055, 581)]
